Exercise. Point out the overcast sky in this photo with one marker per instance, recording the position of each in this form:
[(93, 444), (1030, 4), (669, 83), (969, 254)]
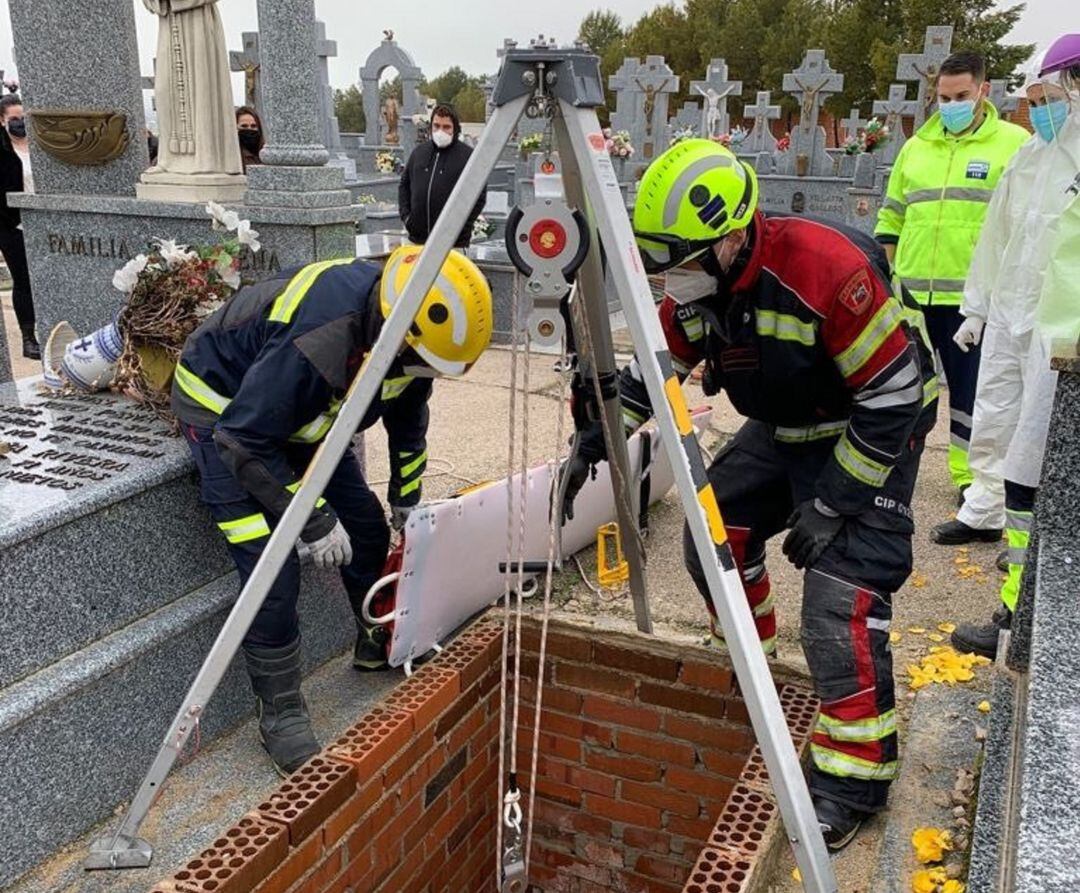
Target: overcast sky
[(441, 33)]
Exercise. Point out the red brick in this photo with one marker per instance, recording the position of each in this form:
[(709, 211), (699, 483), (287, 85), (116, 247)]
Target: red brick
[(299, 861), (620, 714), (467, 700), (242, 857), (309, 796), (635, 660), (559, 644), (660, 749), (558, 746), (399, 767), (697, 830), (556, 790), (697, 782), (621, 766), (737, 712), (470, 724), (639, 883), (588, 780), (426, 694), (569, 820), (351, 811), (713, 733), (662, 869), (621, 811), (682, 699), (662, 797), (555, 698), (322, 875), (593, 680), (713, 677), (654, 841), (723, 762), (371, 742)]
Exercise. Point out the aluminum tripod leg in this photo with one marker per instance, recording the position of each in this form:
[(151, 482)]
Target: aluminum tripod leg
[(699, 502), (597, 356), (124, 849)]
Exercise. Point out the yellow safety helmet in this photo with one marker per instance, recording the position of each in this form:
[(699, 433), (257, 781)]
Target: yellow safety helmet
[(690, 197), (454, 324)]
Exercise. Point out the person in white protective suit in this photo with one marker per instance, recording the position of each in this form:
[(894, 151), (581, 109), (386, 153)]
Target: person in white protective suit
[(1001, 302)]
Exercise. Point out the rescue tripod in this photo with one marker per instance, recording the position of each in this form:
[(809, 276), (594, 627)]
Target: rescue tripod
[(565, 86)]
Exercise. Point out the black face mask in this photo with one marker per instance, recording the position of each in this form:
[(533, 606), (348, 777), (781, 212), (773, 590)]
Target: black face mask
[(250, 140), (17, 127)]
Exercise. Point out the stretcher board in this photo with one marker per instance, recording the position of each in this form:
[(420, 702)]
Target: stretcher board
[(453, 547)]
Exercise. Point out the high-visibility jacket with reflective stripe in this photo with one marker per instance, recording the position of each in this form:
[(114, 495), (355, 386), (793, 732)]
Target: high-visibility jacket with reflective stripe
[(270, 367), (938, 193), (812, 340)]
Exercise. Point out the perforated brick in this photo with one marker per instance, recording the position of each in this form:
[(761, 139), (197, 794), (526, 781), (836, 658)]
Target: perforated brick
[(236, 862), (373, 741), (426, 694), (800, 706), (308, 797), (469, 657), (743, 826), (718, 872), (755, 774)]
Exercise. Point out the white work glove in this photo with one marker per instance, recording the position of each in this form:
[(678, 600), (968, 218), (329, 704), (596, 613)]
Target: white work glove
[(399, 514), (969, 334), (332, 550)]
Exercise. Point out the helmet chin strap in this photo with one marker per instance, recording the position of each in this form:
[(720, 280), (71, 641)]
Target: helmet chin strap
[(710, 263)]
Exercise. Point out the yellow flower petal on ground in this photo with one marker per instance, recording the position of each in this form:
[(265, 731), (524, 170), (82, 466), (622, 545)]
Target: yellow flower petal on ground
[(931, 844), (952, 887), (918, 581), (946, 627), (927, 880), (984, 706), (894, 637), (916, 630), (936, 637), (960, 559), (796, 875)]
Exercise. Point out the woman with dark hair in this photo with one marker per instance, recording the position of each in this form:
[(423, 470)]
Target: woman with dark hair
[(249, 129), (15, 176)]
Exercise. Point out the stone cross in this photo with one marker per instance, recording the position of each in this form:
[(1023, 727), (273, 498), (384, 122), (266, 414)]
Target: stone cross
[(999, 96), (654, 82), (852, 124), (810, 83), (247, 61), (325, 50), (687, 118), (895, 108), (621, 82), (761, 138), (923, 68), (716, 88)]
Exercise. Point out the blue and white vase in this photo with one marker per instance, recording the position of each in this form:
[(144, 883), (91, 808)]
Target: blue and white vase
[(90, 363)]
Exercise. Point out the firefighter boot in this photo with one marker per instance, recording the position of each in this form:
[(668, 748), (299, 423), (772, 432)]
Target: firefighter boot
[(284, 724), (957, 533), (982, 639), (370, 652), (839, 823)]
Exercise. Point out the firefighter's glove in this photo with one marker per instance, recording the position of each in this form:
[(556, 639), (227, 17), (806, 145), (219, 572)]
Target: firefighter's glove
[(399, 514), (332, 550), (969, 334), (813, 526), (576, 471)]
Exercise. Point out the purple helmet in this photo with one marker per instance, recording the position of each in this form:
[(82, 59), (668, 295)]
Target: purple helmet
[(1063, 53)]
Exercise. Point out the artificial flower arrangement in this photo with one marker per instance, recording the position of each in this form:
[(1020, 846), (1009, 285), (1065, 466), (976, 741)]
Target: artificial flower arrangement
[(388, 163), (784, 143), (482, 228), (529, 144), (870, 138), (169, 291), (618, 143), (734, 139), (683, 133)]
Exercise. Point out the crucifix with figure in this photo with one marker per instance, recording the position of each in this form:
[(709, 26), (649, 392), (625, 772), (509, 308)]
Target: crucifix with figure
[(811, 83), (852, 124), (923, 68), (716, 88), (247, 61), (655, 81)]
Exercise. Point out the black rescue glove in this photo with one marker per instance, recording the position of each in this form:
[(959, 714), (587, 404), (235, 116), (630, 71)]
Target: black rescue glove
[(813, 526), (574, 473)]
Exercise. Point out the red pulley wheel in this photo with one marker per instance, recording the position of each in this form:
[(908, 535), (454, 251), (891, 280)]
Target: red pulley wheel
[(547, 238)]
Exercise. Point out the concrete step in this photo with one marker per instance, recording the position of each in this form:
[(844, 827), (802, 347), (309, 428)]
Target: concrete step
[(100, 523), (78, 735)]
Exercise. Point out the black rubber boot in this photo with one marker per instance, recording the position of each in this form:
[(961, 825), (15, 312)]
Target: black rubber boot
[(369, 654), (982, 639), (284, 724), (839, 823), (30, 347), (1002, 561), (957, 533)]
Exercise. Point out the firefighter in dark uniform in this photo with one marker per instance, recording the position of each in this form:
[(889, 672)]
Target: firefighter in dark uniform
[(798, 323), (257, 388)]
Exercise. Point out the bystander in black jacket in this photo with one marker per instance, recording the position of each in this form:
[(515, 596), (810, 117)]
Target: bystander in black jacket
[(429, 177)]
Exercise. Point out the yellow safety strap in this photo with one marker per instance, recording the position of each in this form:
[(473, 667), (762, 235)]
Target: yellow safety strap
[(199, 391), (858, 465), (881, 326), (288, 302), (873, 729), (243, 530)]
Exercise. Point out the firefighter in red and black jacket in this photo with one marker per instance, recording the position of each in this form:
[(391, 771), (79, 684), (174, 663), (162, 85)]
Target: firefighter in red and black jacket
[(798, 322)]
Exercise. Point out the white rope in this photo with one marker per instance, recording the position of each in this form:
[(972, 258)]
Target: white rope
[(522, 521), (554, 517)]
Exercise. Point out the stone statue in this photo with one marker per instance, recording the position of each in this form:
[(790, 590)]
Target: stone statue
[(390, 116), (650, 91), (712, 111), (198, 145)]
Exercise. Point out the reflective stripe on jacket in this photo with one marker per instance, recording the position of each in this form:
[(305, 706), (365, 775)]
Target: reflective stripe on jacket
[(938, 193)]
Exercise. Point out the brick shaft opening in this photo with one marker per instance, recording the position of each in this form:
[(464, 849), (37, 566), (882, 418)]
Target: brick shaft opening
[(648, 780)]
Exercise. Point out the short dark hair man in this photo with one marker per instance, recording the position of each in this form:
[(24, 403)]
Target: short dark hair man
[(430, 175)]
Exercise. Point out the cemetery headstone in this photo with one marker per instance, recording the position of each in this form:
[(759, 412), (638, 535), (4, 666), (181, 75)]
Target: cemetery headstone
[(247, 61), (810, 84), (894, 109), (1000, 97), (687, 120), (761, 138), (852, 124), (643, 111), (389, 55), (716, 88), (325, 50), (923, 68)]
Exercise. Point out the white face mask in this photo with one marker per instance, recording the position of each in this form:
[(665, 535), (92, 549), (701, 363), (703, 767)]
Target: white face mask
[(442, 139), (687, 286)]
